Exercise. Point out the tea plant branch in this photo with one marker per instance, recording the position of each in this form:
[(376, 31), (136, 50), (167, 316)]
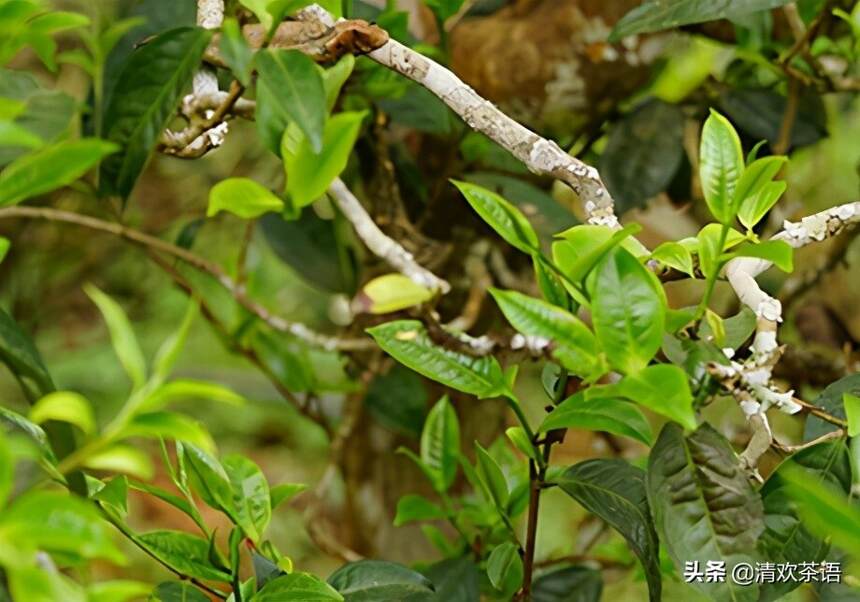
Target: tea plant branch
[(541, 156), (238, 292), (381, 245)]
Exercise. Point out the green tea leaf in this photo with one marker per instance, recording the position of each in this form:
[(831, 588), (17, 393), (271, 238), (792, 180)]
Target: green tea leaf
[(177, 591), (756, 206), (122, 336), (310, 172), (615, 491), (492, 477), (296, 89), (654, 15), (852, 413), (756, 176), (65, 406), (297, 587), (243, 197), (19, 353), (517, 435), (502, 216), (569, 584), (251, 498), (144, 98), (721, 165), (408, 342), (628, 311), (186, 553), (505, 568), (602, 414), (50, 168), (209, 479), (573, 344), (831, 400), (378, 581), (285, 492), (778, 252), (235, 51), (704, 524), (122, 459), (411, 508), (440, 443), (674, 255), (169, 425)]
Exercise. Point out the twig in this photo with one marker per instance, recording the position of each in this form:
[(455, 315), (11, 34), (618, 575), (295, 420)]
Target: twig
[(783, 142), (821, 413), (202, 134), (381, 245), (298, 330), (790, 449)]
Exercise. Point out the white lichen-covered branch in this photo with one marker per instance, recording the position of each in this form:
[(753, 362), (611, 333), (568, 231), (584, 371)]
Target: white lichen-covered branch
[(750, 381), (379, 243)]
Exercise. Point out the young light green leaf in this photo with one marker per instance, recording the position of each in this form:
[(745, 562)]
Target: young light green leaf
[(628, 311), (601, 414), (674, 255), (407, 341), (551, 287), (520, 439), (123, 459), (12, 134), (852, 413), (251, 498), (709, 247), (389, 293), (114, 493), (778, 252), (505, 568), (168, 352), (662, 388), (615, 491), (717, 328), (165, 496), (440, 443), (284, 492), (298, 91), (50, 168), (184, 389), (297, 587), (235, 51), (243, 197), (65, 406), (309, 171), (335, 77), (492, 477), (186, 553), (721, 166), (121, 590), (7, 469), (502, 216), (368, 580), (756, 176), (585, 245), (4, 247), (756, 206), (144, 99), (122, 336), (573, 344), (411, 508), (209, 479), (169, 425)]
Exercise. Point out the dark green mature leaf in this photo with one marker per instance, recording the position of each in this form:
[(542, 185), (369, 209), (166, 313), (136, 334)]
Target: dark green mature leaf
[(186, 553), (721, 165), (398, 400), (603, 414), (297, 587), (251, 499), (615, 491), (570, 584), (296, 88), (785, 538), (235, 51), (830, 399), (759, 113), (143, 100), (454, 579), (50, 168), (407, 341), (309, 245), (421, 110), (505, 568), (573, 344), (378, 581), (177, 591), (703, 506), (502, 216), (644, 151), (655, 15), (20, 355), (628, 311), (440, 443)]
